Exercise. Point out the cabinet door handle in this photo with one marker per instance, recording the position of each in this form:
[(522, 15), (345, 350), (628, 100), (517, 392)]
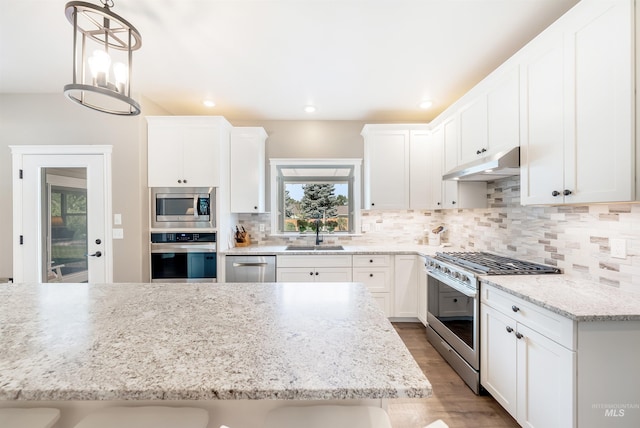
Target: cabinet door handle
[(509, 329), (514, 308), (567, 192), (555, 193), (519, 335)]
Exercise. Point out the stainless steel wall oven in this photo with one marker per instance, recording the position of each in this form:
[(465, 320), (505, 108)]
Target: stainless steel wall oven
[(183, 257)]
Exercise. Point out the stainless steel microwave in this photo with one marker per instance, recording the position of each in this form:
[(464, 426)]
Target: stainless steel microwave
[(183, 208)]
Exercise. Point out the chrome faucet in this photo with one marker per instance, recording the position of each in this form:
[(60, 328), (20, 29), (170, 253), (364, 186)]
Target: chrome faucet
[(318, 239)]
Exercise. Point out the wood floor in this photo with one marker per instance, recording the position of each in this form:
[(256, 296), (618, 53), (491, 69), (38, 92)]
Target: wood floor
[(452, 400)]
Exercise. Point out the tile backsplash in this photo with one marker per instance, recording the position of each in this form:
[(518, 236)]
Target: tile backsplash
[(575, 238)]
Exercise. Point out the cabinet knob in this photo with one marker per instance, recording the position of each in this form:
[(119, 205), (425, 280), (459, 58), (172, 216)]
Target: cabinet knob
[(519, 335), (566, 192), (555, 193), (509, 329), (455, 300), (370, 275), (370, 260), (310, 273), (438, 203), (478, 152), (514, 308), (180, 181), (453, 202), (184, 181), (255, 208), (372, 204), (316, 273)]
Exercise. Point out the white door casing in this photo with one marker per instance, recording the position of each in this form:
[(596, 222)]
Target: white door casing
[(27, 206)]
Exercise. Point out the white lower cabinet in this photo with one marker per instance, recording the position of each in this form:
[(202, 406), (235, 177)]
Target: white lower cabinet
[(376, 272), (532, 376), (406, 286), (312, 268)]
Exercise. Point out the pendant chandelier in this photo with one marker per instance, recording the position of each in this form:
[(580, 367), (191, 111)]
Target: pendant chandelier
[(103, 45)]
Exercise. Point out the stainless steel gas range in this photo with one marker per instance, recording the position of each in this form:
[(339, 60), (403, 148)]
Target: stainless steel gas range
[(453, 304)]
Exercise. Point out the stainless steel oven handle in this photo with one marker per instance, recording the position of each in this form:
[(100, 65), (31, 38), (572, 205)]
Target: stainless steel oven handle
[(453, 284), (182, 248)]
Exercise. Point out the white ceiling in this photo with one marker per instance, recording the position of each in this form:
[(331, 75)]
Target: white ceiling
[(369, 60)]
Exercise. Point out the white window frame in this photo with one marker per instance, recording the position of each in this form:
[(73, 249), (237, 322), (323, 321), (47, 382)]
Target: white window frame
[(356, 195)]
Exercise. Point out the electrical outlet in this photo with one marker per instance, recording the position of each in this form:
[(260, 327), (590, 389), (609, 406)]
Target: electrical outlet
[(261, 227), (619, 248)]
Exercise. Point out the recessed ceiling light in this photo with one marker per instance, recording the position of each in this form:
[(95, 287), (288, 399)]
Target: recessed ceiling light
[(209, 103), (426, 104), (310, 109)]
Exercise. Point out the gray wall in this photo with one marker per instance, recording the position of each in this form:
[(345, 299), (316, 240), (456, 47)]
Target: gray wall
[(47, 119)]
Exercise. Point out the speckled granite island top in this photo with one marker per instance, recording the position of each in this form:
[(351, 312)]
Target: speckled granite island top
[(200, 342), (576, 299)]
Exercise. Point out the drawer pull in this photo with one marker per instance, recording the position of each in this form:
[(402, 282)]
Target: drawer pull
[(370, 260), (509, 329), (514, 308), (519, 335), (455, 300)]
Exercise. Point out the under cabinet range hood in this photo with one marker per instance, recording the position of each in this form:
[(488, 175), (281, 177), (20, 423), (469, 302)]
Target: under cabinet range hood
[(489, 168)]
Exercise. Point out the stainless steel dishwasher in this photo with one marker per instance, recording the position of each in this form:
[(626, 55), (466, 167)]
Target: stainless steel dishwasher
[(250, 268)]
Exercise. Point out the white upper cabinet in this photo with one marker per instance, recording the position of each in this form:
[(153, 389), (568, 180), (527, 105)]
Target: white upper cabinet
[(490, 119), (247, 169), (577, 107), (456, 194), (473, 131), (387, 166), (419, 174), (184, 151)]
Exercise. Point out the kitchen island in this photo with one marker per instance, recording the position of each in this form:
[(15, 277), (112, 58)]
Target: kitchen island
[(235, 349)]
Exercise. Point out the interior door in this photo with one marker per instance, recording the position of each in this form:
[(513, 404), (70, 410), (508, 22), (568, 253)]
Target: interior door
[(87, 251)]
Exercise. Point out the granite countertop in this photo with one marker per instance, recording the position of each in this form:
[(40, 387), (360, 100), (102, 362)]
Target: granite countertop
[(200, 342), (577, 299)]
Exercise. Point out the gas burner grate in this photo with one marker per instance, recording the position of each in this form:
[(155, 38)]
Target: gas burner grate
[(493, 264)]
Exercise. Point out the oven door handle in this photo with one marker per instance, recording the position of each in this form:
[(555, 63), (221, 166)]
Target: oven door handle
[(184, 248), (453, 284)]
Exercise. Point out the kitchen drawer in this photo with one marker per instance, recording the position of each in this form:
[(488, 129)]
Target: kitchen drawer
[(376, 279), (549, 324), (303, 260), (372, 260)]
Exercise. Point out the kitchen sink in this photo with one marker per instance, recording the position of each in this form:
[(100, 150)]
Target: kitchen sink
[(314, 248)]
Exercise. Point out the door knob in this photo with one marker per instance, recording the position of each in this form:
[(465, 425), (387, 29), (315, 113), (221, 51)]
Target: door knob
[(96, 254)]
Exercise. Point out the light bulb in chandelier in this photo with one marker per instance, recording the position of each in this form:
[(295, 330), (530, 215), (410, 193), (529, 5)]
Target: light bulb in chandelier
[(121, 74), (99, 63)]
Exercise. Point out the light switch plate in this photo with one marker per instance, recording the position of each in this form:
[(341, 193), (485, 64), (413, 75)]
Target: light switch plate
[(118, 233), (619, 248), (117, 219), (261, 227)]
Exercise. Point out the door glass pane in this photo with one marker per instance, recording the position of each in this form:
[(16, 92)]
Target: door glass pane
[(66, 225)]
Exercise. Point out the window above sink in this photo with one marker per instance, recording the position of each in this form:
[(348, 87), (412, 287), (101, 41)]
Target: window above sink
[(308, 193)]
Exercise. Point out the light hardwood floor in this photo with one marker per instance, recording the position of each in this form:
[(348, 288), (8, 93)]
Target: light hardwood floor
[(452, 400)]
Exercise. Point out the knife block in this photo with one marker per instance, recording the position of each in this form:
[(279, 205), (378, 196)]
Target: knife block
[(244, 243)]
